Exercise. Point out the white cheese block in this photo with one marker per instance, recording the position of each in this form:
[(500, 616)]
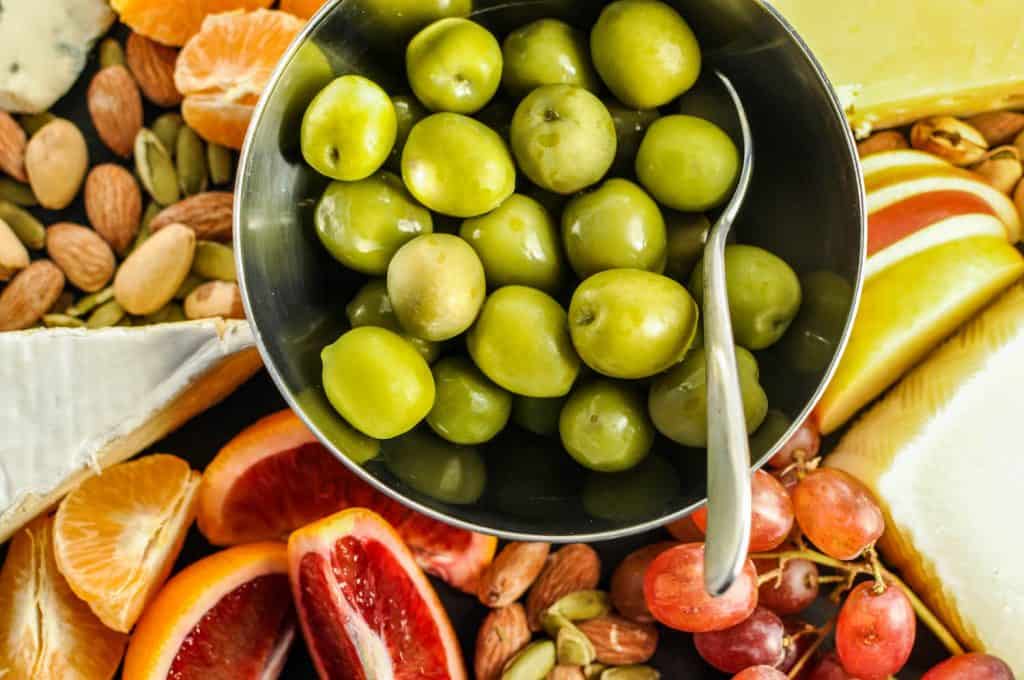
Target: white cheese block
[(942, 453), (76, 401), (43, 48)]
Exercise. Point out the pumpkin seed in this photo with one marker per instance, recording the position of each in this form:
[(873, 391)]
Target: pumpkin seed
[(630, 673), (593, 671), (17, 193), (190, 159), (214, 261), (27, 228), (33, 122), (90, 302), (573, 647), (166, 129), (110, 313), (169, 313), (111, 53), (582, 605), (62, 321), (552, 622), (535, 661), (222, 163), (190, 283), (155, 168), (152, 210)]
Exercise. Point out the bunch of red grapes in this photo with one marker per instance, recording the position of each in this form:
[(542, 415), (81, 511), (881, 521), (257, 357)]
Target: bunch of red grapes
[(755, 631)]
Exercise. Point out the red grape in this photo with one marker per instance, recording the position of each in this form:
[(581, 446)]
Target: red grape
[(806, 439), (627, 589), (759, 673), (674, 590), (973, 666), (875, 631), (795, 592), (795, 647), (685, 531), (829, 668), (837, 513), (771, 517), (758, 641)]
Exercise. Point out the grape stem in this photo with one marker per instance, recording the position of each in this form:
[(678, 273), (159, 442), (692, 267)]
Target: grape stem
[(773, 575), (833, 578), (802, 661)]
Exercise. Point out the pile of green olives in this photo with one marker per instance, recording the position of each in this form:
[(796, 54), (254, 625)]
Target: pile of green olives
[(529, 217)]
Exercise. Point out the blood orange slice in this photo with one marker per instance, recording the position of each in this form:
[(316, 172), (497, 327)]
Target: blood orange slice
[(229, 615), (275, 477), (366, 609)]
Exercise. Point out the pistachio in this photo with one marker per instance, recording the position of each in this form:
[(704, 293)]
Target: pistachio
[(155, 168), (56, 160), (108, 314), (27, 228), (190, 283), (214, 261), (573, 648), (582, 605), (34, 122), (17, 193), (949, 138), (89, 302), (13, 255), (222, 163), (630, 673), (62, 321), (190, 158), (111, 53), (166, 129), (888, 140), (534, 662), (215, 299), (998, 127), (153, 272), (1001, 168)]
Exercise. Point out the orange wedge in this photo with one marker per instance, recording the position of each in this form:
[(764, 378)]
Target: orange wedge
[(228, 615), (302, 8), (173, 22), (45, 631), (117, 535)]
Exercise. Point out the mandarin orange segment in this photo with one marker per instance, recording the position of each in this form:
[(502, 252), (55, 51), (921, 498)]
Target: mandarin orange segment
[(302, 8), (45, 631), (173, 22), (117, 535), (223, 69)]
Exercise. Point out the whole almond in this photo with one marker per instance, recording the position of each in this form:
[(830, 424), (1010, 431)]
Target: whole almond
[(13, 253), (208, 214), (116, 108), (113, 203), (619, 641), (27, 297), (998, 127), (566, 673), (12, 147), (153, 272), (574, 567), (152, 64), (502, 634), (512, 573), (215, 299), (888, 140), (56, 160), (83, 256)]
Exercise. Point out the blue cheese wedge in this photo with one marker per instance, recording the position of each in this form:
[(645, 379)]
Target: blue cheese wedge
[(44, 45)]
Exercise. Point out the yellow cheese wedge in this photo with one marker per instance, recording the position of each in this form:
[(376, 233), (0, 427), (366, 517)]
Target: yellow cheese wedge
[(942, 453), (77, 401), (900, 60)]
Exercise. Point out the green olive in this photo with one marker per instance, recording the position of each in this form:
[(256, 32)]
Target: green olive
[(678, 400), (362, 224), (436, 468), (642, 493), (349, 129), (518, 244), (547, 52), (454, 64), (469, 408), (813, 337), (521, 342), (408, 112), (371, 306), (457, 166), (688, 163), (399, 19), (436, 285), (628, 323), (645, 52), (630, 126), (605, 427), (563, 138), (537, 415), (687, 234), (764, 294), (768, 435), (615, 226), (377, 381)]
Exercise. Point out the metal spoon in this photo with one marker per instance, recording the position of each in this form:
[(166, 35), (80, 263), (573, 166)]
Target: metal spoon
[(728, 527)]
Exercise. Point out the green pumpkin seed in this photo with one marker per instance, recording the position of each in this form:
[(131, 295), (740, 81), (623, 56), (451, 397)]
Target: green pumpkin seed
[(166, 129), (191, 282), (222, 164), (155, 168), (110, 313), (553, 622), (111, 53), (630, 673), (27, 228), (214, 261), (62, 321), (33, 122), (91, 302), (582, 605), (593, 671), (573, 647), (190, 159), (534, 662), (169, 313), (152, 210), (17, 193)]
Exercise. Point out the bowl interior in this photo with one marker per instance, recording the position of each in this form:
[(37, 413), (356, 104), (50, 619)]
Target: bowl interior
[(806, 205)]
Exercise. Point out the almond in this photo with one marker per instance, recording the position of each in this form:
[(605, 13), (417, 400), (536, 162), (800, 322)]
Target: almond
[(116, 108), (56, 160), (512, 573), (82, 254), (619, 641), (12, 147), (574, 567), (502, 634), (113, 203), (151, 275), (215, 299), (888, 140), (152, 64), (998, 127), (13, 253), (208, 215), (27, 297)]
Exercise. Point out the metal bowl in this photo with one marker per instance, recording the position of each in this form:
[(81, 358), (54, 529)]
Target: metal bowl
[(806, 205)]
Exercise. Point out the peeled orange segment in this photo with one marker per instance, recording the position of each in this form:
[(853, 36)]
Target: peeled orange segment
[(118, 534), (366, 609), (227, 616), (302, 8), (173, 22), (45, 631), (275, 477), (224, 67)]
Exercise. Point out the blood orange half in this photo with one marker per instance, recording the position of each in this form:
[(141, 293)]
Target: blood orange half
[(275, 477), (366, 609)]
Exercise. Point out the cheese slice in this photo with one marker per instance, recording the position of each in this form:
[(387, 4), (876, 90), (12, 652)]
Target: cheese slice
[(901, 60), (76, 401), (942, 454)]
